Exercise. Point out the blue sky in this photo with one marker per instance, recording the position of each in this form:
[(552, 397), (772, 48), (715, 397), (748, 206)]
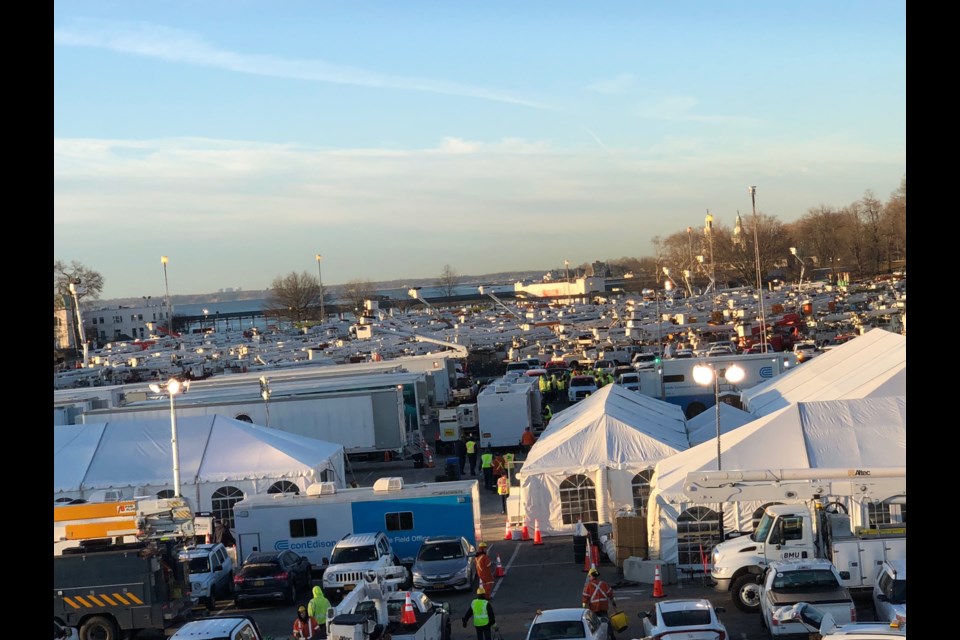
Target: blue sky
[(242, 138)]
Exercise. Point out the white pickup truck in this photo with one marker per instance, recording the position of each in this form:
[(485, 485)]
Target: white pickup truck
[(817, 582), (353, 556)]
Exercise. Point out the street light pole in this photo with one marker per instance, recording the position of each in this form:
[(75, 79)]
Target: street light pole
[(756, 250), (566, 266), (323, 314), (793, 251), (705, 374), (166, 286), (76, 305), (172, 388)]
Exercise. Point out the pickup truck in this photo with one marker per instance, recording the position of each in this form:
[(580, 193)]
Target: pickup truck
[(210, 570), (353, 556), (374, 610), (216, 628), (787, 583)]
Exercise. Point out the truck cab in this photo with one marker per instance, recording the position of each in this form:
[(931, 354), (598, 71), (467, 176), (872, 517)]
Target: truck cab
[(786, 584), (210, 570)]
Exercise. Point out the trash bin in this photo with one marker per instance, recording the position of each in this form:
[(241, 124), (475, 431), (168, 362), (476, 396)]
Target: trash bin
[(579, 549), (452, 468), (418, 461), (593, 529)]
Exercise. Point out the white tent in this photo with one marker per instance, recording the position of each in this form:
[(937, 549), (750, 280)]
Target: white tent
[(869, 366), (221, 460), (862, 433), (703, 426), (589, 456)]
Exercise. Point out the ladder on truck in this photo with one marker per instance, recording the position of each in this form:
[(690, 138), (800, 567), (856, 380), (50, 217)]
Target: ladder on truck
[(141, 519)]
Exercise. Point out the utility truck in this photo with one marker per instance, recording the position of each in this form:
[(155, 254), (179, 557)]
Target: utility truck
[(801, 532), (506, 407), (375, 610), (455, 421), (312, 523), (671, 380), (116, 568)]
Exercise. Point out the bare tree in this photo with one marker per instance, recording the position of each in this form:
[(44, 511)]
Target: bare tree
[(448, 281), (871, 210), (894, 224), (293, 297), (77, 272), (356, 292)]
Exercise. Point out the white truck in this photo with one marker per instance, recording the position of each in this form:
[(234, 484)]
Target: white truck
[(455, 420), (788, 583), (506, 407), (794, 531), (374, 610), (356, 554)]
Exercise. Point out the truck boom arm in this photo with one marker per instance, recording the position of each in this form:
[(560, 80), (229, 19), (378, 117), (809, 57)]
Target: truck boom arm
[(797, 484)]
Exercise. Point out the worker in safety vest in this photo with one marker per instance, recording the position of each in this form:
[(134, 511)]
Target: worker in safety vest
[(508, 463), (305, 627), (527, 440), (503, 490), (597, 594), (317, 608), (484, 567), (482, 613), (486, 465), (546, 414), (472, 454)]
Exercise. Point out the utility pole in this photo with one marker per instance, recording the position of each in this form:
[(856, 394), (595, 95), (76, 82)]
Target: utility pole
[(756, 250)]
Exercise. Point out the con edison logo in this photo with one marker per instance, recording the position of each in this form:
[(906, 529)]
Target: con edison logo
[(283, 545), (766, 372)]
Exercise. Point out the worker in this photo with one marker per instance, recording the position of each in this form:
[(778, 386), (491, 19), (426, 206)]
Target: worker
[(482, 613), (486, 465), (499, 466), (484, 568), (317, 609), (508, 463), (503, 490), (305, 627), (527, 440), (547, 414), (597, 595), (460, 449), (472, 454)]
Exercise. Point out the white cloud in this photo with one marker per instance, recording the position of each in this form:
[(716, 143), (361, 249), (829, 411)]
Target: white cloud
[(620, 83)]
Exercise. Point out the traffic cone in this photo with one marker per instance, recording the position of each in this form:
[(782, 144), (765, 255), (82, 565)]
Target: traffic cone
[(657, 584), (499, 573), (586, 559), (429, 460), (524, 533), (408, 616), (537, 538), (508, 534), (208, 539)]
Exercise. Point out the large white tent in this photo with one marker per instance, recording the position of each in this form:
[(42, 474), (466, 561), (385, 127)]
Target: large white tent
[(862, 433), (871, 365), (220, 458), (703, 426), (591, 453)]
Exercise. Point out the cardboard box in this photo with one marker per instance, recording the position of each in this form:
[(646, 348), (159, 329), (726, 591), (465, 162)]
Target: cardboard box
[(630, 531)]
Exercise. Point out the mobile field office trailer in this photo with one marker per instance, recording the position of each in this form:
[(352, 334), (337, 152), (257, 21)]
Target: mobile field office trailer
[(311, 524)]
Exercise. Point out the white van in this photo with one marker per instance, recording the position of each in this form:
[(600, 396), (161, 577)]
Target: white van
[(629, 381)]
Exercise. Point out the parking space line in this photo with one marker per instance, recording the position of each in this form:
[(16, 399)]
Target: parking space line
[(506, 570)]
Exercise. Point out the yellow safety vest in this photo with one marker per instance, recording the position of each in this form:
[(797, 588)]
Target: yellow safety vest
[(486, 460), (471, 446), (503, 486), (480, 617), (508, 461)]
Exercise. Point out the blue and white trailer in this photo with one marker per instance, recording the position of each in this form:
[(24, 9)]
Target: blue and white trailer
[(672, 379), (310, 524)]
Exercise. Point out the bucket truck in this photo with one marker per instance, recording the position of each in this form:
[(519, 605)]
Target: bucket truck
[(374, 611), (798, 531)]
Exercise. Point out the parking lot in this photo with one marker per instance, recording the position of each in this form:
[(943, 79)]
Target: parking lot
[(536, 577)]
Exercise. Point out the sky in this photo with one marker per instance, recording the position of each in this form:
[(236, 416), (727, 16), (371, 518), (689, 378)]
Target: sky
[(241, 139)]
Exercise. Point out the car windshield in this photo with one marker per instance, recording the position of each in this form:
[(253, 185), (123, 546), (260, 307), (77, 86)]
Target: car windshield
[(898, 595), (685, 617), (200, 565), (343, 555), (557, 630), (804, 579), (441, 551), (259, 570), (763, 528)]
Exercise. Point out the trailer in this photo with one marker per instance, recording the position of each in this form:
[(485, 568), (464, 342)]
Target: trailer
[(311, 524), (672, 379), (506, 407), (455, 420), (371, 419)]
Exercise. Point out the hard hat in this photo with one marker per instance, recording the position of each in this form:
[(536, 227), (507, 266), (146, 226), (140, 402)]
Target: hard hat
[(594, 572), (301, 608), (482, 545), (481, 591)]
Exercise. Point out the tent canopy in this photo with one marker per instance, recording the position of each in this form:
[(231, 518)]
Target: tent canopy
[(871, 365), (613, 428), (212, 449), (703, 426)]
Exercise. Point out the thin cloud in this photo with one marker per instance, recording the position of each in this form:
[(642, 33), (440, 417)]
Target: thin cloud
[(680, 109), (596, 138), (174, 45), (620, 83)]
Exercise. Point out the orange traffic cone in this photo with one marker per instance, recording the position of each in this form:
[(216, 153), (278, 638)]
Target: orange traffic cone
[(657, 584), (508, 534), (208, 539), (499, 572), (524, 533), (408, 616), (429, 459), (537, 538), (586, 559)]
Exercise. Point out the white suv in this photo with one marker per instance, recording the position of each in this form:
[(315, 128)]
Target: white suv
[(211, 573), (890, 592), (353, 556)]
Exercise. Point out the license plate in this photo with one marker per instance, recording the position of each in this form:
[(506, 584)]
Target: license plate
[(348, 587), (439, 585), (258, 583)]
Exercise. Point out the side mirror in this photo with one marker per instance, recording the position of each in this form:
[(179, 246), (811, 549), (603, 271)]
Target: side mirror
[(844, 575), (326, 562), (880, 597), (720, 609), (643, 614)]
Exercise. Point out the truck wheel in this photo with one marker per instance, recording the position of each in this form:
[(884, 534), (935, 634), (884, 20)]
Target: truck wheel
[(746, 593), (99, 628)]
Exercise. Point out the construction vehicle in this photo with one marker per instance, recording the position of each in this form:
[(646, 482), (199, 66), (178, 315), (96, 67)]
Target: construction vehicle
[(375, 609), (116, 569), (798, 531)]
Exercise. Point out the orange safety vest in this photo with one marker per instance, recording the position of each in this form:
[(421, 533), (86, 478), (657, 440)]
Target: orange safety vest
[(503, 486), (597, 595)]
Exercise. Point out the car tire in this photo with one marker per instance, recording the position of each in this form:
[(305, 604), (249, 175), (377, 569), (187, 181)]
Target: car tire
[(237, 603), (99, 628), (745, 592), (292, 594)]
